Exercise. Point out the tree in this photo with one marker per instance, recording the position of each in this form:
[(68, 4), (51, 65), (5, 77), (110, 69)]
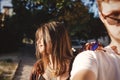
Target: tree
[(30, 13)]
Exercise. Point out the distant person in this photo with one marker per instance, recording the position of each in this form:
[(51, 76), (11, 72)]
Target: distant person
[(102, 63), (54, 52)]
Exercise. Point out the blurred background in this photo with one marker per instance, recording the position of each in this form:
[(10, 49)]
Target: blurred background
[(19, 20)]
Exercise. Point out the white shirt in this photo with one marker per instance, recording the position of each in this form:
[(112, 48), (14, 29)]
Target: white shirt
[(104, 63)]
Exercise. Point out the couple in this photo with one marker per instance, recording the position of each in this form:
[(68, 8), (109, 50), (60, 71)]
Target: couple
[(54, 53)]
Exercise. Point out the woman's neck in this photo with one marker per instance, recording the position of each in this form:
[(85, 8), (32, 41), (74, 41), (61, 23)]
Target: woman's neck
[(52, 63)]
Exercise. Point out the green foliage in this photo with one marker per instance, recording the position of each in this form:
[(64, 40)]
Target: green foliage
[(31, 13)]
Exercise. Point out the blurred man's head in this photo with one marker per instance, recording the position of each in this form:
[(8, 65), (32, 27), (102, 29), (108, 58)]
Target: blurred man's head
[(99, 2), (109, 11)]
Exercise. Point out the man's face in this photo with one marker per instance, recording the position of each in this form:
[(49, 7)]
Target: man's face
[(111, 17)]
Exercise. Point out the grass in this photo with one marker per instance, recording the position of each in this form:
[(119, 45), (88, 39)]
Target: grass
[(7, 69)]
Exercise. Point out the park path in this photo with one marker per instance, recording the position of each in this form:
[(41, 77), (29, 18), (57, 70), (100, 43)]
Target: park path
[(27, 59)]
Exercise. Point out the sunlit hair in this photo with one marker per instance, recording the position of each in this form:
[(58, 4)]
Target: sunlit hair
[(57, 43)]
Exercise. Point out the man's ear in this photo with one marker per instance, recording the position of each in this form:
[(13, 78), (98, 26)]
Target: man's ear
[(101, 17)]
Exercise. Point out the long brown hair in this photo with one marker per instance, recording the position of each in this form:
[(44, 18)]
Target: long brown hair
[(57, 44)]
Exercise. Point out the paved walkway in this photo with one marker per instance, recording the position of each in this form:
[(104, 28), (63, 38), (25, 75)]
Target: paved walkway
[(24, 70), (27, 58)]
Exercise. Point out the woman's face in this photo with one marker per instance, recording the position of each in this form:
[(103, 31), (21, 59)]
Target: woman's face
[(40, 45), (111, 18)]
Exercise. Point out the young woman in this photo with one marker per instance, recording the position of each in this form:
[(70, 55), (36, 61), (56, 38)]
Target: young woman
[(102, 64), (54, 52)]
